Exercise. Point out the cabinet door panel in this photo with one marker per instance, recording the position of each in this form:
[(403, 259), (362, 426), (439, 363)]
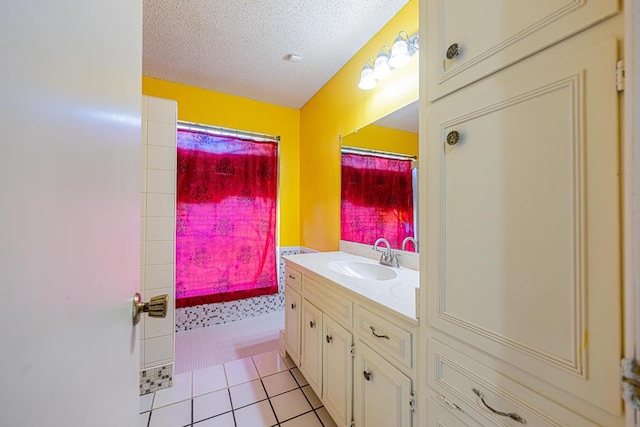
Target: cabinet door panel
[(382, 392), (337, 373), (292, 323), (510, 32), (311, 357), (525, 264)]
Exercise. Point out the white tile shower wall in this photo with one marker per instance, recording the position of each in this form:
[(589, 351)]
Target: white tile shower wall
[(157, 245), (213, 314)]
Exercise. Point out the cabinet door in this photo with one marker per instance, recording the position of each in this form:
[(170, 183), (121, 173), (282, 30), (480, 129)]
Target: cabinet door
[(509, 31), (311, 357), (293, 304), (382, 392), (337, 371), (525, 263)]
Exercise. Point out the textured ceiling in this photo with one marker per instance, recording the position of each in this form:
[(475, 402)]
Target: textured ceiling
[(238, 46)]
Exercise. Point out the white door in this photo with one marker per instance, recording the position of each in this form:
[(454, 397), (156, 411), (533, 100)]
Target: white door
[(69, 184)]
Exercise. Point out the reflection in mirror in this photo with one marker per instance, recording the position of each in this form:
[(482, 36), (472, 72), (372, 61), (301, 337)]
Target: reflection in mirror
[(379, 181)]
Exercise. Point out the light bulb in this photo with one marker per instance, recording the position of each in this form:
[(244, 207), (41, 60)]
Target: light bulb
[(399, 53), (367, 81), (381, 69)]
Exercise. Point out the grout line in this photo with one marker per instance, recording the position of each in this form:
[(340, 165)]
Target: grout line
[(269, 400)]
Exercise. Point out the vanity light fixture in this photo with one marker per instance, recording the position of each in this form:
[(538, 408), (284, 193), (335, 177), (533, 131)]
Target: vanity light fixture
[(398, 56), (367, 80)]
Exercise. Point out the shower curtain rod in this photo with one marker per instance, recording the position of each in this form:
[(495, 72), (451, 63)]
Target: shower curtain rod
[(369, 152), (220, 131)]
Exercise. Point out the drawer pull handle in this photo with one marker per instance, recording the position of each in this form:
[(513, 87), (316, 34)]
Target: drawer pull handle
[(329, 338), (453, 137), (373, 331), (367, 375), (312, 324), (292, 277), (293, 306), (453, 51), (511, 415)]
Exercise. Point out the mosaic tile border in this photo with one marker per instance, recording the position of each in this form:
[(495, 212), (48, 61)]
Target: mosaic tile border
[(154, 379), (201, 316)]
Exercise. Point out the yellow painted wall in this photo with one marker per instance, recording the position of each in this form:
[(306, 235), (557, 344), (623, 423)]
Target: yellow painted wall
[(219, 109), (337, 109), (381, 138)]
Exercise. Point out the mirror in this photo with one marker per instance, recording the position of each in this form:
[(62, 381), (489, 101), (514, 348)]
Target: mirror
[(379, 182)]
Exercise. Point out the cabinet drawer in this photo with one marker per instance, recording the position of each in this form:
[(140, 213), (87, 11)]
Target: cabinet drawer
[(293, 278), (394, 341), (327, 300), (489, 44), (455, 377)]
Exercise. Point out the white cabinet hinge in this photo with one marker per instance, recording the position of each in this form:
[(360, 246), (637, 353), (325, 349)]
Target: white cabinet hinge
[(353, 351), (620, 76), (412, 402), (631, 382)]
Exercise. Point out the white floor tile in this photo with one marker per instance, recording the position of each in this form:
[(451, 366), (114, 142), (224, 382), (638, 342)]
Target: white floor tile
[(210, 405), (279, 383), (144, 420), (240, 371), (312, 396), (290, 404), (180, 391), (177, 415), (306, 420), (257, 415), (327, 421), (145, 402), (247, 393), (299, 377), (208, 380), (269, 363), (224, 420)]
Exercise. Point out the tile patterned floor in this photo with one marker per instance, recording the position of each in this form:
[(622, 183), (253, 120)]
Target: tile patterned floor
[(258, 391)]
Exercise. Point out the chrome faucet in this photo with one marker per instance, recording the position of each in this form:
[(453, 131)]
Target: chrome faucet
[(388, 257), (410, 239)]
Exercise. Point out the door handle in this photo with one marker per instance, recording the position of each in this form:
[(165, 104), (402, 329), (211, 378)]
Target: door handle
[(156, 307)]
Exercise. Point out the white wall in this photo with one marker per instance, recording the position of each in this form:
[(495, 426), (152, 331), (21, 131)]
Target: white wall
[(158, 217)]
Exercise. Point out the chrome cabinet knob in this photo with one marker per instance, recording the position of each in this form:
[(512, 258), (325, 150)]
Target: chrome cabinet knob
[(156, 307), (453, 51)]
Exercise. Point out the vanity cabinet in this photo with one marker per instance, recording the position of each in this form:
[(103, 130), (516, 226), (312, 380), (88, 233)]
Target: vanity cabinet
[(462, 48), (382, 392), (339, 326), (523, 181)]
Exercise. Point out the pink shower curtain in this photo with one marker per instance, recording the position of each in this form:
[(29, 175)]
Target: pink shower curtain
[(225, 219), (377, 199)]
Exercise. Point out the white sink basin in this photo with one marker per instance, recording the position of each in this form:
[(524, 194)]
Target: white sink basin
[(363, 270)]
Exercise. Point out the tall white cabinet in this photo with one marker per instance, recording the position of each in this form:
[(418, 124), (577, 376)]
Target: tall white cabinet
[(522, 301)]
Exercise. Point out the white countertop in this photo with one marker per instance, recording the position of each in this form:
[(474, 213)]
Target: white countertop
[(397, 294)]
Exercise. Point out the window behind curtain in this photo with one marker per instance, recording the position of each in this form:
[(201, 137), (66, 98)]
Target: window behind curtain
[(377, 199), (225, 219)]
